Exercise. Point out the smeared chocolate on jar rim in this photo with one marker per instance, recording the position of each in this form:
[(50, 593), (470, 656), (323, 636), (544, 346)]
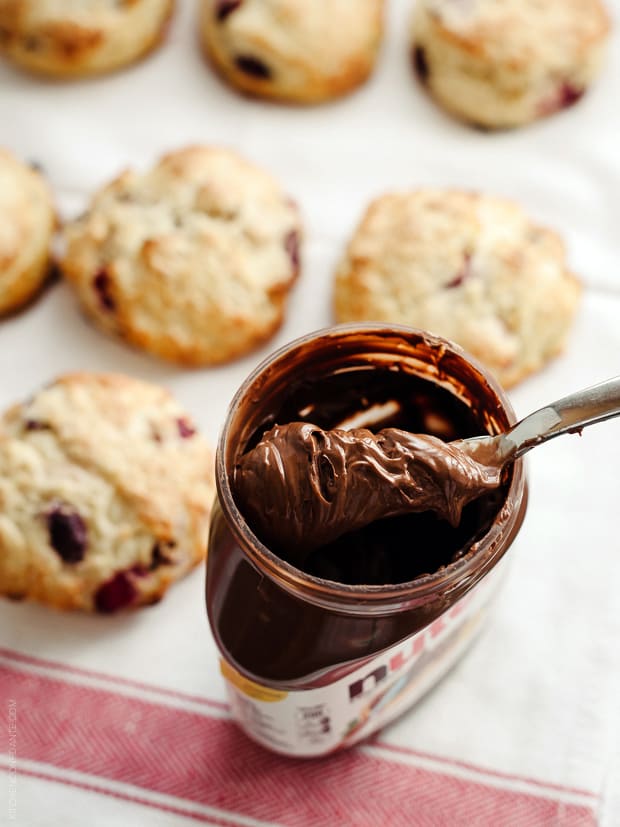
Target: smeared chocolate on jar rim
[(356, 348)]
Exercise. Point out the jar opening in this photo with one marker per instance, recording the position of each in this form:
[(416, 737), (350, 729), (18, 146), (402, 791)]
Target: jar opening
[(389, 376)]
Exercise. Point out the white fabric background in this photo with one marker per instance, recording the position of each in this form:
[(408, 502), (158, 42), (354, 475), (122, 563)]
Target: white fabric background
[(539, 694)]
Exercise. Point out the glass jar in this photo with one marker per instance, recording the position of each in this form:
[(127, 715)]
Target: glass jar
[(315, 660)]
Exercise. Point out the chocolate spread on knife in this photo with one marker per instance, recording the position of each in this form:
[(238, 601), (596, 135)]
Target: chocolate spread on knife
[(302, 487)]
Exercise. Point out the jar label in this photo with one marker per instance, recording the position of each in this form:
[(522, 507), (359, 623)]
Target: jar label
[(311, 722)]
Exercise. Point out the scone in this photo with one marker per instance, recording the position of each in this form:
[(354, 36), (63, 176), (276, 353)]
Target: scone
[(105, 494), (27, 223), (472, 268), (504, 63), (192, 260), (300, 51), (64, 38)]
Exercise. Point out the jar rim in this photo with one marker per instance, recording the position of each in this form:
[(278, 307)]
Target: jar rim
[(483, 553)]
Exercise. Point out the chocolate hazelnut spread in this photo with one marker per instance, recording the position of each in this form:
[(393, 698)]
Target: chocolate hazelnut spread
[(302, 487), (337, 388), (322, 645)]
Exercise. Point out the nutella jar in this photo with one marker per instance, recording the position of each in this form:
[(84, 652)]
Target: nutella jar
[(319, 656)]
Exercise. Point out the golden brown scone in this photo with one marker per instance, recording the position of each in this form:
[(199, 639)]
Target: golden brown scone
[(472, 268), (192, 260), (64, 38), (27, 222), (504, 64), (105, 494), (301, 51)]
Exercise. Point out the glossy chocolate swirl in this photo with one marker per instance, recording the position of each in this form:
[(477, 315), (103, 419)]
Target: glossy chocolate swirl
[(302, 487)]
